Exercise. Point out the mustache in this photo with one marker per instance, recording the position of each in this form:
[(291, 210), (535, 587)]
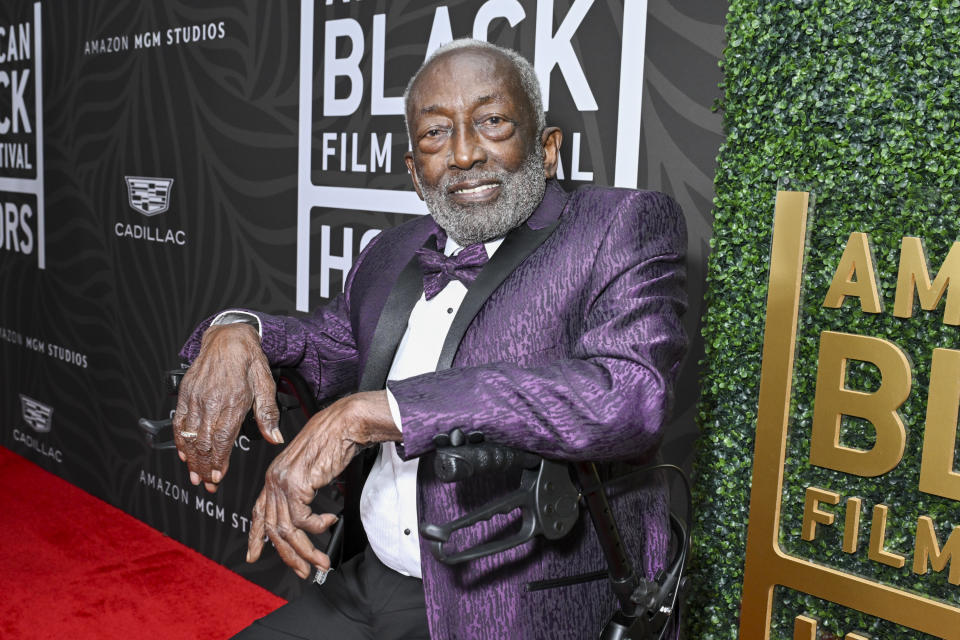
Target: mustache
[(505, 177), (472, 175)]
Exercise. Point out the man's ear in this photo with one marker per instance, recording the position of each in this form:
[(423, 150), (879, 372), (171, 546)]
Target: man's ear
[(551, 138), (412, 169)]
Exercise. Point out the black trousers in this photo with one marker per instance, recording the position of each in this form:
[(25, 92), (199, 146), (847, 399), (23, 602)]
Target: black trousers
[(363, 599)]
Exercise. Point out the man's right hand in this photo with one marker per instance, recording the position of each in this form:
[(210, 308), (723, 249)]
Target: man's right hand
[(228, 376)]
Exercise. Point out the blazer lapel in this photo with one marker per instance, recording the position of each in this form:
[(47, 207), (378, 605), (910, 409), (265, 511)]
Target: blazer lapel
[(518, 244), (392, 324)]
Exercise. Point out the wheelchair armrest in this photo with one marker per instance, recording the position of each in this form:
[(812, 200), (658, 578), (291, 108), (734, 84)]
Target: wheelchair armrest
[(292, 392), (547, 499)]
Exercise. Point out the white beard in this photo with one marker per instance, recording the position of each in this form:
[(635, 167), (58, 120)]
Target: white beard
[(520, 194)]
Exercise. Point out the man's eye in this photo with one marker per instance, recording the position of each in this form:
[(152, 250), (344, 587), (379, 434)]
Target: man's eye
[(494, 120), (433, 133)]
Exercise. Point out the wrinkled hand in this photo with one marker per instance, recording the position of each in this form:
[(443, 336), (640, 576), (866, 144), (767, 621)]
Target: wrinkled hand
[(319, 453), (229, 375)]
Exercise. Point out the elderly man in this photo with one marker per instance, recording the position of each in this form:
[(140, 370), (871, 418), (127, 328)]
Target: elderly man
[(549, 321)]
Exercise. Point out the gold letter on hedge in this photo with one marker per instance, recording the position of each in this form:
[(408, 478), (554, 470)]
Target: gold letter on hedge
[(813, 514), (878, 533), (928, 549), (856, 261), (804, 628), (832, 400), (937, 476), (913, 273)]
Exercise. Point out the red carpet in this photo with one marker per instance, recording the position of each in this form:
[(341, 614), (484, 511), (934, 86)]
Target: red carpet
[(72, 566)]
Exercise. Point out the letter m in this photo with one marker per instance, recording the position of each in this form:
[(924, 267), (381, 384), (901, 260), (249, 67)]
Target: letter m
[(928, 549), (913, 275)]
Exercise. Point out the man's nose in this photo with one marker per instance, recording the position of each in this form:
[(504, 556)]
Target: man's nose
[(466, 149)]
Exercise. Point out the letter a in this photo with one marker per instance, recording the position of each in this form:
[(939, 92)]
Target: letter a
[(855, 277)]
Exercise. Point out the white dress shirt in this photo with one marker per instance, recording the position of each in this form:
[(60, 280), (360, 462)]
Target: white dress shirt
[(388, 504)]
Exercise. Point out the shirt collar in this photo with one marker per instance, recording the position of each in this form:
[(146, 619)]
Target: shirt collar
[(453, 247)]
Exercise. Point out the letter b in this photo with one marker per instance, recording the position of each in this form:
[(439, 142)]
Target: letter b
[(334, 67), (833, 400)]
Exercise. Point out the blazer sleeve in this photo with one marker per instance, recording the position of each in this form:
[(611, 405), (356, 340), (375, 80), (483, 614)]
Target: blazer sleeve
[(610, 398), (321, 346)]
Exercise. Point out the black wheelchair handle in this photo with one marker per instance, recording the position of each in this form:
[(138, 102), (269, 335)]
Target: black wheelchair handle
[(154, 433), (172, 379), (453, 464)]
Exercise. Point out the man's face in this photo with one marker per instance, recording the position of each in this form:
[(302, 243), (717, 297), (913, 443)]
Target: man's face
[(477, 160)]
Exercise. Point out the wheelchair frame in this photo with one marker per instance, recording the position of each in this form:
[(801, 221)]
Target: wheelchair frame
[(548, 498)]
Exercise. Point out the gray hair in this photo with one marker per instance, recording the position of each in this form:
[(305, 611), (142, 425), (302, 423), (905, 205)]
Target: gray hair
[(525, 71)]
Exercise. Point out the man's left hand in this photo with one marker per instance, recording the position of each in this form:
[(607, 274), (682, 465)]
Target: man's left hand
[(319, 453)]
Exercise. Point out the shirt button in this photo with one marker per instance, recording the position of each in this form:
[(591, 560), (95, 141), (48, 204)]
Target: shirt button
[(406, 532), (449, 309)]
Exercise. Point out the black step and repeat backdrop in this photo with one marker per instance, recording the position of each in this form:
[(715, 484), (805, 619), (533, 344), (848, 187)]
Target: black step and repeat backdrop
[(162, 160)]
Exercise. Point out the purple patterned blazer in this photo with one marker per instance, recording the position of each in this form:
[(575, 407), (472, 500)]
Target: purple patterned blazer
[(567, 344)]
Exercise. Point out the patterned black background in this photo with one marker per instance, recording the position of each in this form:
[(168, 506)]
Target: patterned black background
[(220, 117)]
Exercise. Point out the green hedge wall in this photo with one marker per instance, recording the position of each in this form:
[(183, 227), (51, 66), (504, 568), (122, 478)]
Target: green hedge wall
[(859, 102)]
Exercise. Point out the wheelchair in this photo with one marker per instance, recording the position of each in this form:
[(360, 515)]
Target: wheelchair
[(551, 497)]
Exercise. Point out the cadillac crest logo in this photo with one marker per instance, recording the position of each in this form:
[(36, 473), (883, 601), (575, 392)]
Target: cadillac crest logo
[(36, 414), (149, 196)]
